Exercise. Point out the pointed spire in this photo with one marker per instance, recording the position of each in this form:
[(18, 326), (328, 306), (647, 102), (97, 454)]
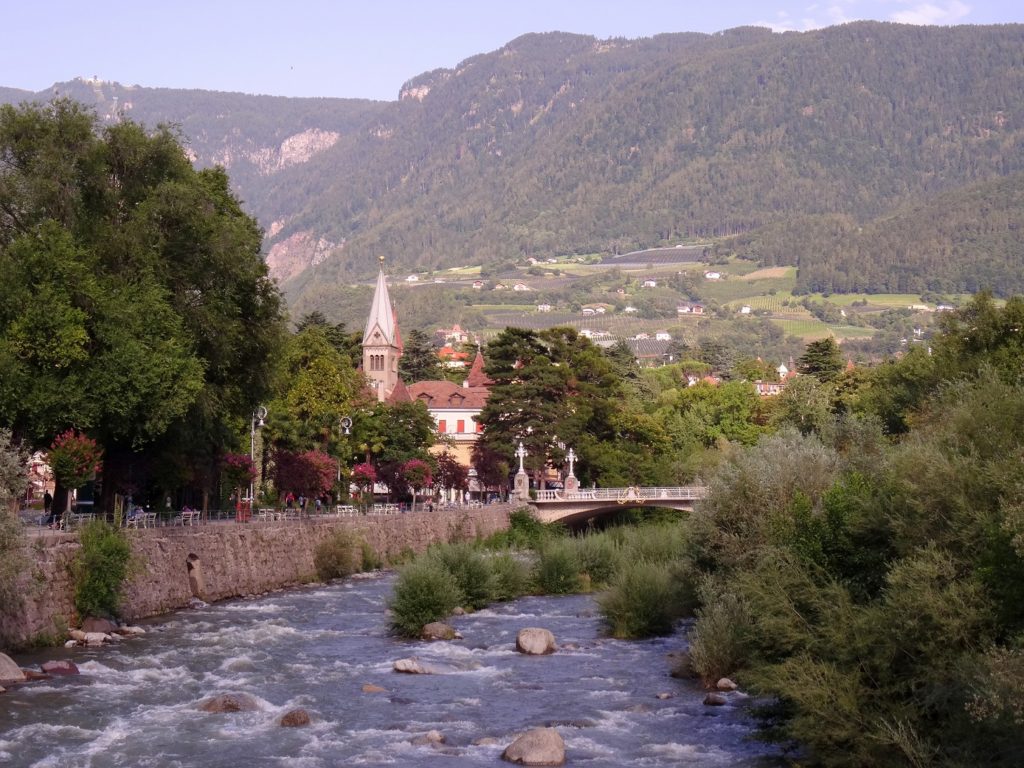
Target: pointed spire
[(477, 377), (382, 314)]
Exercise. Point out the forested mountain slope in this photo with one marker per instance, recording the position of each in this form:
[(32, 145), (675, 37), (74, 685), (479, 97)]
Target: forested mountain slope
[(562, 143)]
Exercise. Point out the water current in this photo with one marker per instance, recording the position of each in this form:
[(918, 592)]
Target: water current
[(135, 703)]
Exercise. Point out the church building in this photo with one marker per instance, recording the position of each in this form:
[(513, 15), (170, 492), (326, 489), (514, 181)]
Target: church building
[(454, 408)]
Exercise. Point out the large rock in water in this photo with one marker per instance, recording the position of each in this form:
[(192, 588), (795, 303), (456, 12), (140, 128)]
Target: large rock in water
[(9, 671), (410, 667), (230, 702), (295, 718), (535, 641), (438, 630), (60, 667), (92, 624), (541, 746)]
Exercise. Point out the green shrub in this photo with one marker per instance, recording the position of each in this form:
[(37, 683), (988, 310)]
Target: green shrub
[(510, 576), (660, 543), (599, 557), (558, 568), (12, 562), (719, 642), (371, 560), (643, 601), (100, 569), (338, 556), (524, 532), (471, 571), (424, 592)]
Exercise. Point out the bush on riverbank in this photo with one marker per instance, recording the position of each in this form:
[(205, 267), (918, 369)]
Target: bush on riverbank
[(471, 570), (424, 592), (644, 599), (879, 604), (100, 569), (339, 555)]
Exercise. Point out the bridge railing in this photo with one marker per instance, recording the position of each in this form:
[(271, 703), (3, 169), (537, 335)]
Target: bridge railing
[(623, 495)]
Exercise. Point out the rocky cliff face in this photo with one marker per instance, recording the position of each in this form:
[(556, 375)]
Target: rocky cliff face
[(295, 253)]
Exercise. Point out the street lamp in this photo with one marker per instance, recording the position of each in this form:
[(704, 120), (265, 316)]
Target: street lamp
[(259, 417)]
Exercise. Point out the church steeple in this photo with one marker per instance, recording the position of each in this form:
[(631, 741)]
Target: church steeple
[(382, 344)]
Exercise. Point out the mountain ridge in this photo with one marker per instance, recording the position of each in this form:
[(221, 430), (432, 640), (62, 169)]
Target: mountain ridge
[(562, 143)]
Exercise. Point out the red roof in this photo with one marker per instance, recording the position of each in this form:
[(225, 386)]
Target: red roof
[(447, 394), (477, 377)]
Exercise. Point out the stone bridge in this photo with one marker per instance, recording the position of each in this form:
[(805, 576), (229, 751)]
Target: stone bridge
[(577, 506)]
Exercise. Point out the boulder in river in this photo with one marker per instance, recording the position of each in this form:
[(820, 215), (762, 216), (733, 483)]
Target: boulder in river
[(9, 671), (410, 666), (92, 624), (77, 635), (438, 630), (715, 700), (371, 688), (295, 718), (540, 746), (725, 684), (429, 738), (229, 702), (96, 638), (535, 641), (60, 667)]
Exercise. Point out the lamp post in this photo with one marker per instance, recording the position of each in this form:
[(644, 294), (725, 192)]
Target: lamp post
[(258, 420), (345, 429)]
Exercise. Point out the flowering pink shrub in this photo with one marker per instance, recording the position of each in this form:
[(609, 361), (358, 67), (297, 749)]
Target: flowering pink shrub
[(75, 458), (237, 469), (309, 474)]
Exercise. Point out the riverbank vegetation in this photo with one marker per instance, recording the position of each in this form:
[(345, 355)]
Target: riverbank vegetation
[(100, 569)]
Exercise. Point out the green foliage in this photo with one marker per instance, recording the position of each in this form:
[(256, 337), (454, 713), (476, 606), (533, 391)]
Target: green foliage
[(599, 558), (821, 359), (510, 576), (558, 568), (100, 569), (419, 361), (719, 643), (425, 592), (339, 555), (524, 532), (643, 600), (470, 569)]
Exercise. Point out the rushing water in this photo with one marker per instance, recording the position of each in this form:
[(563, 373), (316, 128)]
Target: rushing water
[(135, 703)]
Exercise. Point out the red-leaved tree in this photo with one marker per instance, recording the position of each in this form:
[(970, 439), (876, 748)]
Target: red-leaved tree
[(417, 474), (311, 473), (75, 459)]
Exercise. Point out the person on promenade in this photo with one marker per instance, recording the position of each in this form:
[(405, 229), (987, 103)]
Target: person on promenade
[(48, 509)]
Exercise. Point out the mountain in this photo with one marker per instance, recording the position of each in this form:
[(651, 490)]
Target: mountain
[(561, 143)]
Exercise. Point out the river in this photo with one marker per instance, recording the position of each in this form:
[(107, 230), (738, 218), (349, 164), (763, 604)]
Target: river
[(135, 703)]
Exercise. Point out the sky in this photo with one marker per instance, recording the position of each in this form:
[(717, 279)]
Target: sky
[(368, 49)]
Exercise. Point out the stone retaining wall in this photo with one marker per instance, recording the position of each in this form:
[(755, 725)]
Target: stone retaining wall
[(221, 560)]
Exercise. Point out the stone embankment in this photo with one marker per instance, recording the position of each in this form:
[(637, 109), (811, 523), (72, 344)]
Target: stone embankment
[(217, 561)]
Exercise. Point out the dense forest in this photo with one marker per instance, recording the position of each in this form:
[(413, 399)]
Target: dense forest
[(871, 155)]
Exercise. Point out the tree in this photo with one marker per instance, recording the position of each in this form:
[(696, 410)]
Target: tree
[(144, 280), (417, 474), (310, 473), (821, 359), (419, 359), (75, 459), (451, 475)]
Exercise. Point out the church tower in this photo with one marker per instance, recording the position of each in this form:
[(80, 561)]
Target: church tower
[(382, 343)]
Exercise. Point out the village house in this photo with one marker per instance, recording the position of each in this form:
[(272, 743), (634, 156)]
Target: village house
[(543, 307)]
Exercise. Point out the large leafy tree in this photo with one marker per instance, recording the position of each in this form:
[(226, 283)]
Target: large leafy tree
[(419, 360), (135, 304), (554, 389), (821, 359)]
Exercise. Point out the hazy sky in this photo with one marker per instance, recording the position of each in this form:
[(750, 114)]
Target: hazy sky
[(369, 48)]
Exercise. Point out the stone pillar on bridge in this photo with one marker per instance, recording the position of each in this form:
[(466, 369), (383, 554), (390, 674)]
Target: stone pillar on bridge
[(522, 480), (571, 483)]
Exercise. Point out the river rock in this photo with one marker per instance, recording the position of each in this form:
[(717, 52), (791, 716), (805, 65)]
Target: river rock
[(229, 702), (428, 738), (70, 643), (60, 667), (664, 696), (131, 631), (9, 671), (77, 635), (371, 688), (485, 741), (295, 718), (541, 746), (2, 689), (458, 611), (438, 630), (535, 641), (725, 684), (92, 624), (682, 665), (96, 638), (715, 700), (31, 675), (410, 667)]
